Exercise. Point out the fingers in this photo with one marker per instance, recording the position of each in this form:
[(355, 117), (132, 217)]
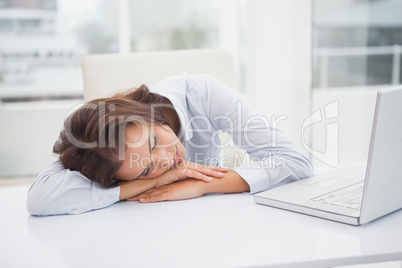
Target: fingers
[(204, 167), (205, 170), (153, 198), (197, 175), (219, 169), (135, 198), (149, 197), (145, 194), (184, 189)]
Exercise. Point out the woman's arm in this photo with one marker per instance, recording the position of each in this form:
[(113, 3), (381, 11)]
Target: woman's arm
[(230, 182), (61, 191), (184, 169), (275, 159), (135, 187)]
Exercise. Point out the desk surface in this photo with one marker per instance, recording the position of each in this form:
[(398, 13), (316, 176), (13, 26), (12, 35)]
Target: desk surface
[(212, 231)]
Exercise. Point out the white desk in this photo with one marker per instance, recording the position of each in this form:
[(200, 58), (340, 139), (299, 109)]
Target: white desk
[(211, 231)]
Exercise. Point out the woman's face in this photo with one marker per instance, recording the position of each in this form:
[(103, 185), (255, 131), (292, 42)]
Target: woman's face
[(150, 152)]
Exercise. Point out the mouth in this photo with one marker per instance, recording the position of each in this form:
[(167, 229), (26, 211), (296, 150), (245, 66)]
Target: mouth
[(176, 160)]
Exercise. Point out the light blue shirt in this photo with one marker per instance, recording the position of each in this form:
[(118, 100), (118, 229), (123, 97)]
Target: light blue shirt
[(205, 107)]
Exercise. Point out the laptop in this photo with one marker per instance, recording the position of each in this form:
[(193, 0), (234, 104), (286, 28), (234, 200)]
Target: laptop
[(354, 194)]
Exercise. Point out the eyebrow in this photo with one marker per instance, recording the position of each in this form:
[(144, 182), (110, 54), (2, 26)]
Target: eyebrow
[(149, 144)]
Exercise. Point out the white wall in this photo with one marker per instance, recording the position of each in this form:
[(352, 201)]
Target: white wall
[(279, 84), (279, 61)]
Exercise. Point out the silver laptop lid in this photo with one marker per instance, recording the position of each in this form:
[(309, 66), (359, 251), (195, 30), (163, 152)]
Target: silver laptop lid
[(383, 186)]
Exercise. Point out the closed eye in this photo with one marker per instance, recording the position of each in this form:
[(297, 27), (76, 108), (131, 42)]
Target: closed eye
[(146, 171), (155, 141)]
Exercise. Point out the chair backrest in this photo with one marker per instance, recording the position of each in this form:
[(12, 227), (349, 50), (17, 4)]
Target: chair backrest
[(105, 74)]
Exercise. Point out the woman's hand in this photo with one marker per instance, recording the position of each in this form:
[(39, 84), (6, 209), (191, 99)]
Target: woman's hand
[(230, 182), (186, 169), (184, 189)]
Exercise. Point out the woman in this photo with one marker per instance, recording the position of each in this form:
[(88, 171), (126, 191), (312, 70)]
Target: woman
[(162, 144)]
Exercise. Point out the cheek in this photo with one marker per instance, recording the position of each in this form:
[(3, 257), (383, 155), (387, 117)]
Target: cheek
[(170, 140), (182, 150), (167, 136)]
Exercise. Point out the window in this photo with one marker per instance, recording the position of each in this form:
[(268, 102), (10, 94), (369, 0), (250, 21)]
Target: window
[(357, 43), (42, 43), (356, 51), (174, 24)]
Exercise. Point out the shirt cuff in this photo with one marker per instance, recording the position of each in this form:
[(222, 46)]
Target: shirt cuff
[(102, 197), (256, 178)]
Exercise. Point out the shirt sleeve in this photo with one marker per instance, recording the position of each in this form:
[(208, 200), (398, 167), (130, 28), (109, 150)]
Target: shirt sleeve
[(61, 191), (274, 159)]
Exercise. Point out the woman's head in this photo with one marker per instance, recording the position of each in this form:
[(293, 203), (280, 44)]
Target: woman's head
[(150, 152), (94, 141)]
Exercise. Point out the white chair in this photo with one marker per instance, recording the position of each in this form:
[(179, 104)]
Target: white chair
[(105, 74)]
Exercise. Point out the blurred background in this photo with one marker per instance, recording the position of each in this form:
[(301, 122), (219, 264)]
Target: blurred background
[(294, 58)]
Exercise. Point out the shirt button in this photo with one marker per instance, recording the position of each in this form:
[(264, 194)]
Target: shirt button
[(110, 199), (100, 202)]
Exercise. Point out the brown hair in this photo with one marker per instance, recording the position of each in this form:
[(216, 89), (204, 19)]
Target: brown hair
[(90, 138)]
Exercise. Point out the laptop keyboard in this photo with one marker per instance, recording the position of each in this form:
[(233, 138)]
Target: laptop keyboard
[(349, 197)]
